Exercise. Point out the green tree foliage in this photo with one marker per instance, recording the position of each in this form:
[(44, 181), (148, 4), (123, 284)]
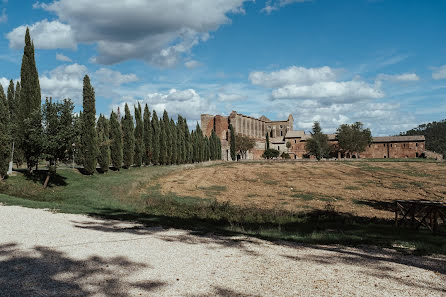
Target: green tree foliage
[(147, 137), (163, 143), (168, 138), (353, 138), (243, 144), (155, 139), (174, 137), (5, 136), (12, 115), (232, 143), (139, 137), (115, 141), (318, 145), (128, 138), (77, 156), (270, 154), (103, 132), (29, 106), (58, 133), (88, 137), (435, 134), (19, 155)]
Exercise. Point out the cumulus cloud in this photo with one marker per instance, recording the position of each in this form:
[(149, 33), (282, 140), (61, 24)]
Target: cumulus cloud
[(229, 97), (292, 75), (63, 58), (399, 77), (316, 84), (272, 5), (439, 73), (186, 102), (158, 31), (45, 34), (65, 81), (116, 78)]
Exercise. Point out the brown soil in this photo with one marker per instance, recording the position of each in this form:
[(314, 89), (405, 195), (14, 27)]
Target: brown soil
[(359, 188)]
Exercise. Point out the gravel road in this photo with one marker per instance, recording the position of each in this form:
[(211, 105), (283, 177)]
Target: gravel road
[(53, 254)]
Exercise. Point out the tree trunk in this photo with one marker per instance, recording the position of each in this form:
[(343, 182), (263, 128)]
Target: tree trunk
[(47, 179)]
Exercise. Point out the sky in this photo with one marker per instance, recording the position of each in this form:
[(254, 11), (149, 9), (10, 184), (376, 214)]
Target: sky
[(380, 62)]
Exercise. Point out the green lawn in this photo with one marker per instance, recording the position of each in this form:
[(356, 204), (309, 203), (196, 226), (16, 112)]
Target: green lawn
[(134, 195)]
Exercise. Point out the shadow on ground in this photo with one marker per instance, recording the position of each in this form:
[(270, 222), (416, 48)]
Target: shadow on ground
[(46, 272)]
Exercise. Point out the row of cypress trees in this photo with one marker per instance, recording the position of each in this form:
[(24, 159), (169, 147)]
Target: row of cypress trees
[(30, 132)]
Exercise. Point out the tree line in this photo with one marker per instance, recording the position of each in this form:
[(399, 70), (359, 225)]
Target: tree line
[(30, 131), (435, 134)]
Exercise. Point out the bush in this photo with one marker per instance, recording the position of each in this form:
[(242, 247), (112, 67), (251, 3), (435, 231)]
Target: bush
[(270, 154), (285, 156)]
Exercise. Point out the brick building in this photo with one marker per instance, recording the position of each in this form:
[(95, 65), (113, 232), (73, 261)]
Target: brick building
[(281, 132)]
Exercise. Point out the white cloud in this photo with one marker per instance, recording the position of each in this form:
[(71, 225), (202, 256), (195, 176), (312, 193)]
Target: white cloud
[(5, 83), (439, 73), (116, 78), (229, 97), (186, 102), (45, 35), (65, 81), (192, 64), (272, 5), (158, 31), (63, 58), (4, 16), (347, 91), (292, 75), (399, 77)]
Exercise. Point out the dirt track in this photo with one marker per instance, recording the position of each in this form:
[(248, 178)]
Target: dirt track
[(360, 188), (47, 254)]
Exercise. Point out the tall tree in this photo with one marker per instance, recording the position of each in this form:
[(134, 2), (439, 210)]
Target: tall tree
[(16, 119), (115, 141), (147, 137), (128, 138), (155, 139), (139, 137), (163, 143), (103, 131), (89, 138), (318, 145), (12, 121), (174, 138), (232, 143), (5, 136), (353, 138), (30, 101), (169, 141), (267, 140)]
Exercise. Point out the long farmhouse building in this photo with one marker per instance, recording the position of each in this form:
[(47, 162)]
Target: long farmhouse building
[(281, 132)]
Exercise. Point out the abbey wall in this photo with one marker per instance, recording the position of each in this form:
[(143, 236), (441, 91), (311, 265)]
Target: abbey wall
[(281, 132)]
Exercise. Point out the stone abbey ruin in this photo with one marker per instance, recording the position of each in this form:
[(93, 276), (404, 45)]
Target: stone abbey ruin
[(281, 132)]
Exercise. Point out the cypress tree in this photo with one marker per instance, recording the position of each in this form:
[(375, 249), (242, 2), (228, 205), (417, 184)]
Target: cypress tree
[(103, 143), (166, 125), (163, 143), (16, 119), (115, 141), (232, 142), (155, 139), (174, 137), (30, 101), (147, 137), (267, 140), (128, 137), (139, 137), (77, 124), (11, 99), (88, 137), (12, 121), (5, 137)]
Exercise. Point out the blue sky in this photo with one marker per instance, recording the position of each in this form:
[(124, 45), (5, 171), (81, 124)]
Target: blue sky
[(379, 62)]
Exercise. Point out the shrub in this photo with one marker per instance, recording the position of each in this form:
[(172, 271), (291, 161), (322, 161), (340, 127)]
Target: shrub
[(285, 156), (270, 154)]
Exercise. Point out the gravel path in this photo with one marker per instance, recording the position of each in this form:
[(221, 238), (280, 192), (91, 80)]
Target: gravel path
[(52, 254)]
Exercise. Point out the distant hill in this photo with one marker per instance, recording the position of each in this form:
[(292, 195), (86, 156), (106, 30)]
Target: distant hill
[(435, 134)]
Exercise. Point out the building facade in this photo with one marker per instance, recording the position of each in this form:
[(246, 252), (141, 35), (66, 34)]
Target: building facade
[(281, 132)]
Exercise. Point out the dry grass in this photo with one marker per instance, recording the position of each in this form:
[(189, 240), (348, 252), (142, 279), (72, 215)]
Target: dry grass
[(359, 188)]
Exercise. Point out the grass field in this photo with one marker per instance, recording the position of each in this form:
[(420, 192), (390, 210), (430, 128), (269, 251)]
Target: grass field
[(310, 202)]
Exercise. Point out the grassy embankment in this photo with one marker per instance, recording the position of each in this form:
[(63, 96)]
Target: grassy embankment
[(136, 195)]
